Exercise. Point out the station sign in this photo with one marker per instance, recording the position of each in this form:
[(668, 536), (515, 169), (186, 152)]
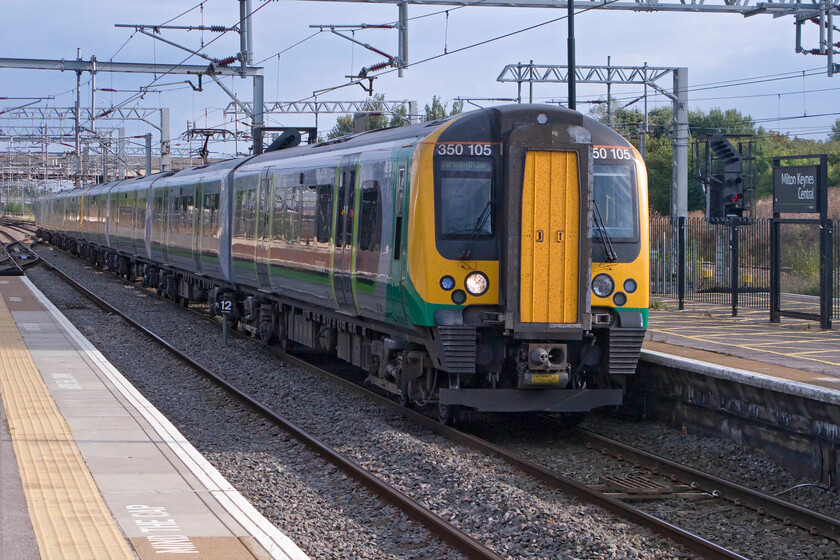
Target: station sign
[(796, 189)]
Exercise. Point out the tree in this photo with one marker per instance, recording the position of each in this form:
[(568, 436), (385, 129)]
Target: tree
[(437, 110), (376, 118), (835, 132), (343, 126), (400, 117)]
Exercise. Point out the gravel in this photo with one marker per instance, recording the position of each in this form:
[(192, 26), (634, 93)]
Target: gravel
[(331, 516), (328, 515), (738, 529)]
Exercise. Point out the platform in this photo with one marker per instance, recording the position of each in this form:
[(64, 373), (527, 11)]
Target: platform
[(89, 469), (793, 350)]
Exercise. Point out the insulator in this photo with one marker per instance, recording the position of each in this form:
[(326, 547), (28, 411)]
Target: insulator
[(378, 66), (226, 61), (217, 28)]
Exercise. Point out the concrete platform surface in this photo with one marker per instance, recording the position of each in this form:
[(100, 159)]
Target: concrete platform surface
[(794, 349), (164, 497)]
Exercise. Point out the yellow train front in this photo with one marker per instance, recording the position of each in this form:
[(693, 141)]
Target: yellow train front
[(527, 254)]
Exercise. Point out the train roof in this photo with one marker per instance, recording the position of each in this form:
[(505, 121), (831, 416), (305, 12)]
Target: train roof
[(501, 118)]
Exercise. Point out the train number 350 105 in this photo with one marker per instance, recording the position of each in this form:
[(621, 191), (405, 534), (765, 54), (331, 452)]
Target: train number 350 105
[(464, 150)]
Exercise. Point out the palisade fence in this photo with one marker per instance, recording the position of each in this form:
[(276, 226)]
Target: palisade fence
[(728, 263)]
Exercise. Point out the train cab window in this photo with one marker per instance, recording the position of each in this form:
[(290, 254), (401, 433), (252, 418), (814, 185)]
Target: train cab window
[(614, 197), (466, 198), (323, 213), (370, 217)]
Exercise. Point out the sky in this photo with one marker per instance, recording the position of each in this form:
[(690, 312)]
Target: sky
[(780, 89)]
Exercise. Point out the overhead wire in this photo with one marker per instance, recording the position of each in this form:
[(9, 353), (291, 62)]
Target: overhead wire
[(467, 47), (141, 93)]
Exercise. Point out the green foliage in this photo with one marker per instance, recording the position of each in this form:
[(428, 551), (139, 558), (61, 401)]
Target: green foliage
[(400, 117), (659, 149), (438, 111), (343, 126), (835, 131), (373, 121)]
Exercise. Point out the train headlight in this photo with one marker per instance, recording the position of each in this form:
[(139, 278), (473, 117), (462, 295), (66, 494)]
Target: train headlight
[(476, 283), (603, 285), (619, 299), (630, 286), (447, 283)]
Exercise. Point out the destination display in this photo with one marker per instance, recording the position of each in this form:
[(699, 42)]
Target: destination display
[(796, 189)]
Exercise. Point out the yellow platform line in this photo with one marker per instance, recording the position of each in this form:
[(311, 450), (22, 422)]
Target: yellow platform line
[(701, 339), (69, 516)]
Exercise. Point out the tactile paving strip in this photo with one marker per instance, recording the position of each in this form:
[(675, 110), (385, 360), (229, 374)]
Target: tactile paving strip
[(69, 517)]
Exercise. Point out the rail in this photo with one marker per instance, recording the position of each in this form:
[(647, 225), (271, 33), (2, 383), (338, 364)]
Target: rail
[(791, 514), (463, 542), (446, 531)]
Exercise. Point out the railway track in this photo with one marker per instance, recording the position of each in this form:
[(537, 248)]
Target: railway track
[(787, 513), (738, 495), (14, 253), (459, 540)]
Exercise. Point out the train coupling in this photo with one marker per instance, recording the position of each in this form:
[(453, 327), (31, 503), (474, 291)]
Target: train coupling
[(543, 366)]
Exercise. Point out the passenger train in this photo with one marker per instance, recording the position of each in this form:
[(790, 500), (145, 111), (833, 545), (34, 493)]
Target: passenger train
[(495, 260)]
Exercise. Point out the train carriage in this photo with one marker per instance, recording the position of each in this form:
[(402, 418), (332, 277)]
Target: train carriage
[(495, 260)]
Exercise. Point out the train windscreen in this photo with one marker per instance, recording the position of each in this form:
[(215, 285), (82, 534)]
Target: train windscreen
[(614, 194), (466, 194)]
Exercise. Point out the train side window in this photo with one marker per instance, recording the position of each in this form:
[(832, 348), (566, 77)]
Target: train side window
[(399, 220), (370, 217), (308, 200), (251, 213), (174, 217), (239, 217), (323, 215), (346, 207), (278, 209), (188, 205), (291, 215), (210, 213)]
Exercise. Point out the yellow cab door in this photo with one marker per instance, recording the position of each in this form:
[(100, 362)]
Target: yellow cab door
[(550, 245)]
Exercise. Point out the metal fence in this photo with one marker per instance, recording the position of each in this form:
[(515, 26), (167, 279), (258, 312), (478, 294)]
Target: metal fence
[(712, 248)]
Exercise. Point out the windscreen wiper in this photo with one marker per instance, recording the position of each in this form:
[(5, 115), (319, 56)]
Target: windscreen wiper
[(479, 225), (610, 254)]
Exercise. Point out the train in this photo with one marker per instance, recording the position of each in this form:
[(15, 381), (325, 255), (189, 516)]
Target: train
[(495, 260)]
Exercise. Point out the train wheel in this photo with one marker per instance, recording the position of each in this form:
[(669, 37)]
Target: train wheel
[(447, 414), (286, 344), (266, 333)]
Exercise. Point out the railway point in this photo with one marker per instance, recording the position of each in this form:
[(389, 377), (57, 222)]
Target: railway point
[(91, 470)]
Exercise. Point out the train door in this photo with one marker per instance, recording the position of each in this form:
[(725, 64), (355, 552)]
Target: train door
[(108, 220), (344, 234), (263, 233), (197, 230), (160, 224), (550, 244), (401, 175)]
